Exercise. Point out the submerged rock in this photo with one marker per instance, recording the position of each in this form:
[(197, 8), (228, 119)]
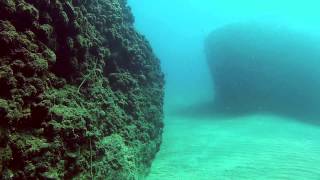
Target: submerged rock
[(259, 68), (72, 100)]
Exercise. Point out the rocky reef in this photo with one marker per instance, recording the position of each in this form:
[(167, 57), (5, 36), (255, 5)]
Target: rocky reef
[(81, 92), (265, 68)]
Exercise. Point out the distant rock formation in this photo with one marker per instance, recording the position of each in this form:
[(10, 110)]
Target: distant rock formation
[(260, 68), (81, 92)]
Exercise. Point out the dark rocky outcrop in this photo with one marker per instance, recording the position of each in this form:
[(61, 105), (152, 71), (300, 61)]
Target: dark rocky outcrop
[(263, 68), (81, 91)]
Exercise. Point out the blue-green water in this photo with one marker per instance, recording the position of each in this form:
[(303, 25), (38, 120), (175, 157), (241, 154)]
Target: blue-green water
[(198, 143)]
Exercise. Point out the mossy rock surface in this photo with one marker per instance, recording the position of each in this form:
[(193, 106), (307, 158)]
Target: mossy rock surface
[(81, 92)]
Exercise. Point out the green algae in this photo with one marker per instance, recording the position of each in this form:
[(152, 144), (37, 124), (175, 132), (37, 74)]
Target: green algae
[(79, 102)]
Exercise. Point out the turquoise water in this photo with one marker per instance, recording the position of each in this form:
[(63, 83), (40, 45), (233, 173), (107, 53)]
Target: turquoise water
[(198, 143)]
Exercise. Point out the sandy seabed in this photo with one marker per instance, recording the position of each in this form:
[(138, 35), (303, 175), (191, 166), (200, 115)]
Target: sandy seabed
[(250, 147)]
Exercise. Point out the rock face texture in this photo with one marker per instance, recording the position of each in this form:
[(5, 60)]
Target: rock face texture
[(81, 92), (261, 68)]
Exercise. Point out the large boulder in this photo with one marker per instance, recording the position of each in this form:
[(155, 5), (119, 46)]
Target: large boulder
[(260, 68), (81, 92)]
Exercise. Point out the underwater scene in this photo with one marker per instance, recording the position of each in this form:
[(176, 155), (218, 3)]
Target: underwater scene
[(242, 88), (159, 90)]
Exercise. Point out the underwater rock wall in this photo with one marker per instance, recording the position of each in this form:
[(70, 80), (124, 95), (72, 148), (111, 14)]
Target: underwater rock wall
[(260, 68), (81, 92)]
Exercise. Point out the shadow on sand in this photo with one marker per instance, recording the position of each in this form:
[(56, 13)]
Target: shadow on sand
[(218, 111)]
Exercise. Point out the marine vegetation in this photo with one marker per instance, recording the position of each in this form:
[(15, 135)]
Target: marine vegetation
[(81, 92)]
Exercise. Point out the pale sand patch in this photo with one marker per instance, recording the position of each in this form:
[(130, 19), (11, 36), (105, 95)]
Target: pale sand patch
[(251, 147)]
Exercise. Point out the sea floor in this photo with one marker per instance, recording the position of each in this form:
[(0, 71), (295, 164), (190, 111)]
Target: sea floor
[(250, 147)]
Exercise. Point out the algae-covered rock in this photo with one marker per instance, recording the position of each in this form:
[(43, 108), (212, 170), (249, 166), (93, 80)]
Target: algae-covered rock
[(81, 92)]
